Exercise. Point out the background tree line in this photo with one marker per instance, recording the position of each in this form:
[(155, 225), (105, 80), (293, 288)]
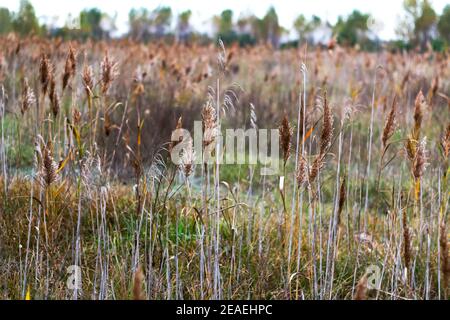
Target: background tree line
[(421, 26)]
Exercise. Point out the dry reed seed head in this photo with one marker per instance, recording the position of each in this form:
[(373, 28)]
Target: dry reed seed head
[(137, 284), (187, 158), (286, 131), (45, 71), (177, 127), (69, 68), (342, 195), (76, 116), (433, 88), (327, 129), (28, 97), (406, 241), (49, 168), (445, 142), (316, 167), (53, 95), (88, 79), (209, 124), (107, 125), (361, 289), (419, 105), (389, 126), (302, 171), (410, 146), (109, 72), (420, 160)]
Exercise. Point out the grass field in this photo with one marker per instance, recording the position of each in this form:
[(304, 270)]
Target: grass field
[(358, 210)]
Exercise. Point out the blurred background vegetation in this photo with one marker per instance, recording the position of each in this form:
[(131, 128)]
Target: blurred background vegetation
[(420, 27)]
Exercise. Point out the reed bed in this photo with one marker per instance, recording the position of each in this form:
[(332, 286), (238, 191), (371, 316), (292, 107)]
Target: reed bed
[(87, 178)]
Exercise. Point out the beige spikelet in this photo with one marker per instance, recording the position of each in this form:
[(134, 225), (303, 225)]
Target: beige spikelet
[(361, 289), (138, 293)]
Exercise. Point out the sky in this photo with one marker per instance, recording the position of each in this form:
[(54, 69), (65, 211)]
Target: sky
[(385, 13)]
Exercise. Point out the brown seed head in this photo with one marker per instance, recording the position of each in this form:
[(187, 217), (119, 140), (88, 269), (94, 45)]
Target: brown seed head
[(286, 132), (209, 124), (420, 160), (88, 79), (45, 71), (49, 168), (109, 72), (302, 171), (316, 167), (69, 68), (389, 126), (342, 195), (361, 289), (137, 285), (53, 95), (28, 97), (327, 129), (445, 142), (419, 104)]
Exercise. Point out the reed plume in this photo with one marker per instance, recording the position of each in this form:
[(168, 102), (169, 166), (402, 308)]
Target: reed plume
[(53, 95), (45, 71), (389, 126), (316, 167), (327, 128), (88, 80), (177, 127), (302, 171), (406, 241), (361, 289), (445, 142), (49, 168), (76, 116), (286, 131), (342, 195), (28, 97), (325, 140), (69, 68), (187, 159), (109, 72), (419, 105), (138, 293), (209, 124), (420, 160), (413, 139), (433, 89)]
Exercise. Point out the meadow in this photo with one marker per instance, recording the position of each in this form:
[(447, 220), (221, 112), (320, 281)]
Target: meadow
[(358, 210)]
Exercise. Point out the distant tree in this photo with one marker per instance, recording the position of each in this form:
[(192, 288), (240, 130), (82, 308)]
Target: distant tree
[(90, 23), (418, 24), (444, 24), (140, 24), (223, 25), (162, 18), (352, 30), (26, 21), (246, 34), (6, 21), (145, 24), (305, 28), (271, 28), (183, 25)]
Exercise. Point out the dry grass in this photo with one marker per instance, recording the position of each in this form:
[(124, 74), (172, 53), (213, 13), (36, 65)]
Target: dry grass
[(87, 179)]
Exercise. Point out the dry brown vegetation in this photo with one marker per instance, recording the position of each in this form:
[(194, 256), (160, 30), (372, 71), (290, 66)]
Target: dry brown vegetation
[(87, 179)]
